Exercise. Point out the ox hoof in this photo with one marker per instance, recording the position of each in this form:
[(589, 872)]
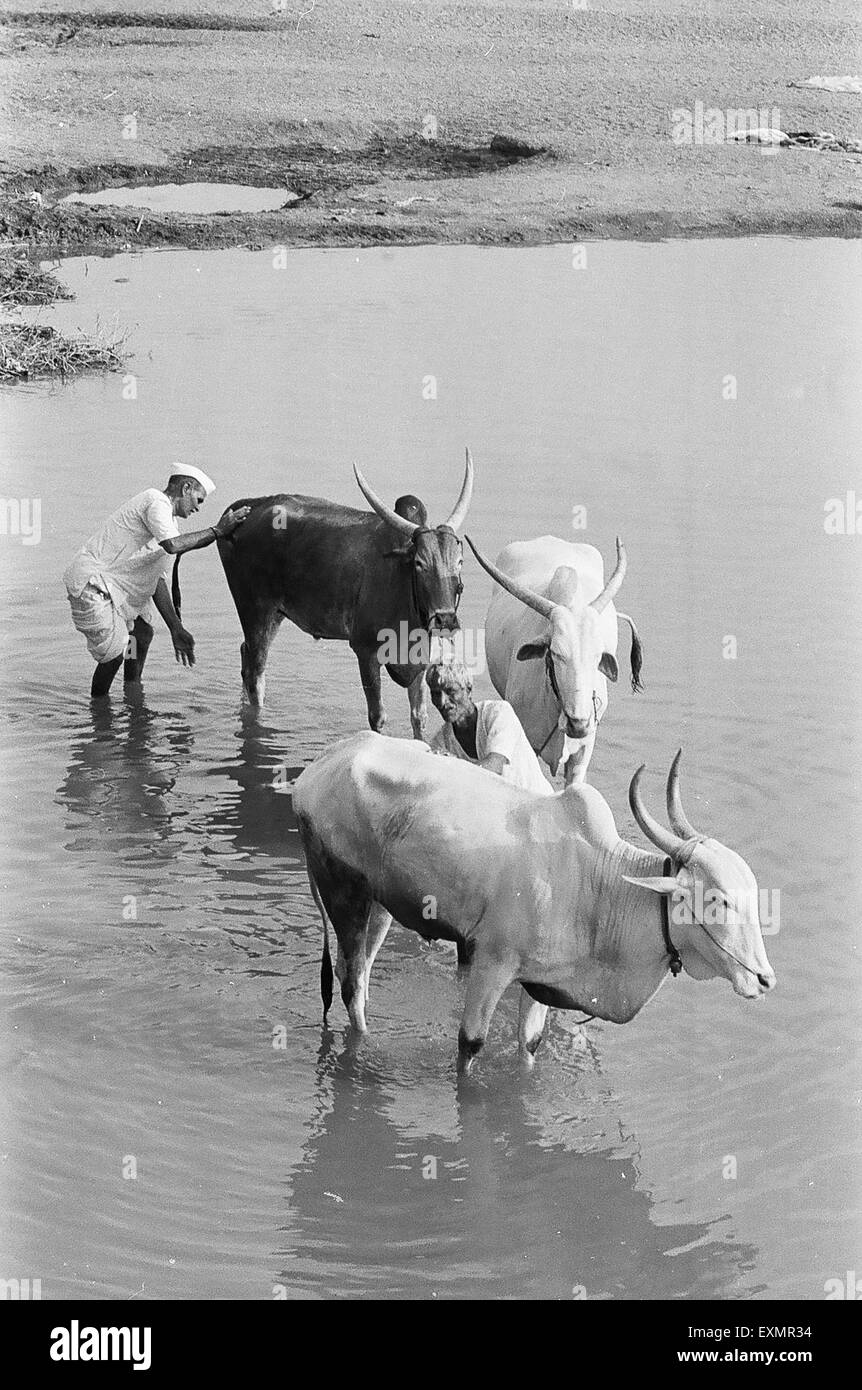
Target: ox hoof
[(468, 1051)]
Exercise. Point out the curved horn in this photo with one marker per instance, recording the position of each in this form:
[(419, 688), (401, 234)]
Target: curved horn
[(534, 601), (676, 815), (612, 587), (665, 840), (386, 513), (459, 512)]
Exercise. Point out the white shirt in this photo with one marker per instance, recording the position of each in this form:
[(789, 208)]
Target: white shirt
[(498, 730), (125, 558)]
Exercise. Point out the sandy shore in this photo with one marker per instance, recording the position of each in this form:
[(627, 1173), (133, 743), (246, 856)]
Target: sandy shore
[(380, 115)]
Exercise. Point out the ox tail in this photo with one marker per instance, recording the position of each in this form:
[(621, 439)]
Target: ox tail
[(326, 973), (176, 596), (637, 653), (326, 958)]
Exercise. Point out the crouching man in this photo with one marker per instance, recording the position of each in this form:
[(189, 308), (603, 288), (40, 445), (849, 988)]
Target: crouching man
[(121, 568), (488, 733)]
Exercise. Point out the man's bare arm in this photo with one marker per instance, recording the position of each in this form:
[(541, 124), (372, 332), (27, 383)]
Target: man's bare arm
[(197, 540), (184, 643), (495, 762)]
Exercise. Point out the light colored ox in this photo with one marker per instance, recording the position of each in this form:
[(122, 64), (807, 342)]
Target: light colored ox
[(551, 641), (540, 889)]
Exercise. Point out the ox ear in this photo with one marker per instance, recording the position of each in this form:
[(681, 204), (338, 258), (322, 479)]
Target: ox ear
[(608, 667), (655, 885), (531, 651), (400, 552)]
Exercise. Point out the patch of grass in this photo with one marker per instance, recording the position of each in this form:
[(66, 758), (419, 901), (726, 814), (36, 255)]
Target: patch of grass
[(23, 283), (32, 350)]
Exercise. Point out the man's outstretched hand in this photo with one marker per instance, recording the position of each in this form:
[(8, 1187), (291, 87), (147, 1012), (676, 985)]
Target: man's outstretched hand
[(184, 646), (230, 521)]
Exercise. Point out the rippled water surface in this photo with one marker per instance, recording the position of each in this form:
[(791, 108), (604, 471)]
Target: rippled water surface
[(160, 951)]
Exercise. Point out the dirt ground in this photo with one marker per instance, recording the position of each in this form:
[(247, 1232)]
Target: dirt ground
[(380, 114)]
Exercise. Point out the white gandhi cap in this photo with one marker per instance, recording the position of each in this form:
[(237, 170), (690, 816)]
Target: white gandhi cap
[(186, 470)]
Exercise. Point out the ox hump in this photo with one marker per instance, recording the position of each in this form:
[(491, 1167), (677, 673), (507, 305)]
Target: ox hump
[(535, 562), (565, 586)]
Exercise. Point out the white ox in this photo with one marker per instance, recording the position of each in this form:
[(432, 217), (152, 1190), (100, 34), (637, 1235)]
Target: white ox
[(551, 641), (539, 889)]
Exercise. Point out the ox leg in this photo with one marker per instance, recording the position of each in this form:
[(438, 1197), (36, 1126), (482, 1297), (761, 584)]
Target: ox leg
[(343, 898), (379, 922), (326, 959), (351, 967), (354, 990), (489, 977), (259, 631), (417, 694), (577, 764), (464, 950), (531, 1024), (369, 672)]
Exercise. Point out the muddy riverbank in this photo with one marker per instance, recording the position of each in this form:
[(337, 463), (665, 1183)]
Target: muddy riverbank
[(382, 119)]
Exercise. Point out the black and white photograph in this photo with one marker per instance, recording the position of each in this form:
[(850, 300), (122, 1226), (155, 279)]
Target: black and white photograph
[(431, 540)]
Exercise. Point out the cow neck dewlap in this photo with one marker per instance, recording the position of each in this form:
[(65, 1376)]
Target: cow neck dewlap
[(604, 947), (627, 961), (629, 917)]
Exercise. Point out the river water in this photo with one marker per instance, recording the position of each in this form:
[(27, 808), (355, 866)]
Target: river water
[(175, 1123)]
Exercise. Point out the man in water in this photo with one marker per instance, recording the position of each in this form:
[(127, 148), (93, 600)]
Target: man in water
[(488, 733), (123, 566)]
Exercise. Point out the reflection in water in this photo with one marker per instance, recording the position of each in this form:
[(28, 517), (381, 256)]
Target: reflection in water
[(122, 770), (494, 1193), (256, 816)]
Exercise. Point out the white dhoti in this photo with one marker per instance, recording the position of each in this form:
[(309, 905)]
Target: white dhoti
[(115, 574), (94, 615)]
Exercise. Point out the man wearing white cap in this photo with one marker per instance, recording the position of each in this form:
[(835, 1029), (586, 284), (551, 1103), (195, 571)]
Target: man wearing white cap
[(123, 566)]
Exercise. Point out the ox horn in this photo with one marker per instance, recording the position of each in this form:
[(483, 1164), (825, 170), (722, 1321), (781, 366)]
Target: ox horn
[(676, 815), (386, 513), (537, 602), (665, 840), (459, 512), (612, 587)]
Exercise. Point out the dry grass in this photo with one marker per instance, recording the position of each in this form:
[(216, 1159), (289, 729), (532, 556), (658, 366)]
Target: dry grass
[(23, 283), (30, 351)]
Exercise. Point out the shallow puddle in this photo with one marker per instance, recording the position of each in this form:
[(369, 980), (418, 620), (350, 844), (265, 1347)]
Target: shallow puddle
[(204, 198)]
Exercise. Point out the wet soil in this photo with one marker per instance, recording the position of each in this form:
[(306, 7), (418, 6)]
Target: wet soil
[(333, 102), (340, 182)]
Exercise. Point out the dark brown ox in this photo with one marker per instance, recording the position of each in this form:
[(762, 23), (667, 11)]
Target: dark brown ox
[(348, 576)]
